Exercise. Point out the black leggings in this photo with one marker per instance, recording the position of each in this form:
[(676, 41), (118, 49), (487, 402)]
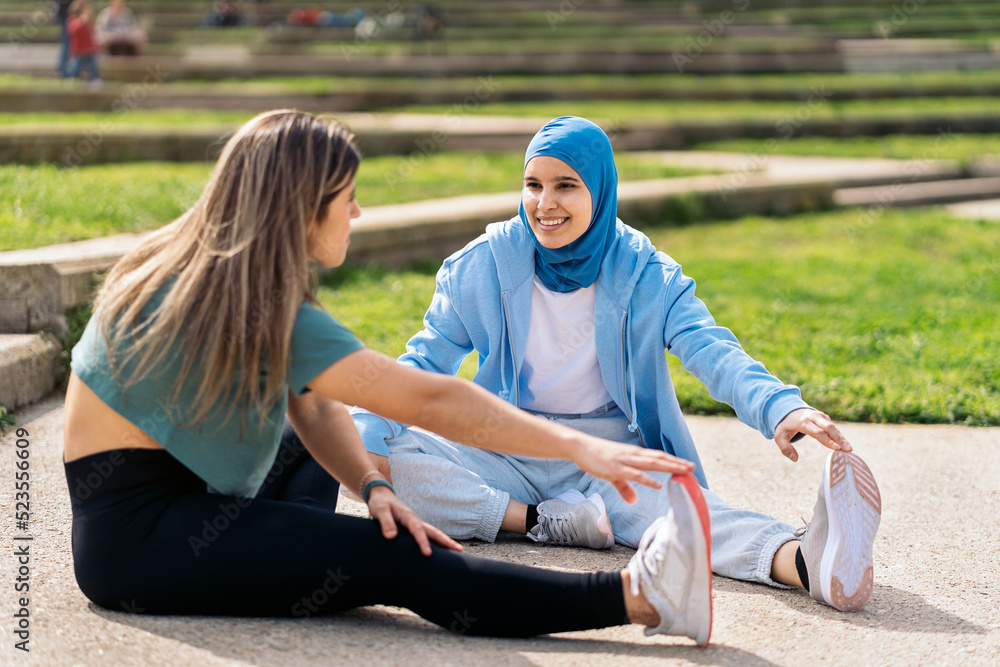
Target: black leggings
[(148, 536)]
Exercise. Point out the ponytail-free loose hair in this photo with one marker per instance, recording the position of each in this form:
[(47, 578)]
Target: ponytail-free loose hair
[(233, 270)]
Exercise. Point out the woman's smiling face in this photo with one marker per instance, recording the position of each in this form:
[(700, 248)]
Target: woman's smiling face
[(556, 201)]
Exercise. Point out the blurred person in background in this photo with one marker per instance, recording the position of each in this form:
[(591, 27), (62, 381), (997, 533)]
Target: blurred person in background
[(83, 46), (63, 66), (118, 31), (224, 14)]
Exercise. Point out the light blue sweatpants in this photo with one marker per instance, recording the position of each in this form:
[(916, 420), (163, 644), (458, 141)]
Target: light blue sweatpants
[(464, 491)]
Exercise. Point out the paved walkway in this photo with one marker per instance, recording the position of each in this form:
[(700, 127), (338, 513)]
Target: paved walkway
[(986, 210), (935, 600)]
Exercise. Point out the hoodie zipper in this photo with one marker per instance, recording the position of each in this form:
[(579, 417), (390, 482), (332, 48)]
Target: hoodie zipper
[(625, 370), (513, 357)]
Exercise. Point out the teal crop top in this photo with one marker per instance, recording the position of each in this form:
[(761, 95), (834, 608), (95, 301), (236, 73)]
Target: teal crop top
[(232, 464)]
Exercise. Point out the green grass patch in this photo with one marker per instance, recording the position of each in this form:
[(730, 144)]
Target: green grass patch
[(620, 113), (56, 205), (886, 321), (135, 118), (961, 147), (623, 113), (76, 321), (797, 84), (6, 419), (384, 309)]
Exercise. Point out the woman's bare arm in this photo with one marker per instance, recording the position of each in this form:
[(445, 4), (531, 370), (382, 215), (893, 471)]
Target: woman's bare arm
[(467, 413)]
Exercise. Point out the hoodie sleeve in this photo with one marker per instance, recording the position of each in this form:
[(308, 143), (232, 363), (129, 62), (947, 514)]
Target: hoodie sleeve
[(714, 355), (440, 347)]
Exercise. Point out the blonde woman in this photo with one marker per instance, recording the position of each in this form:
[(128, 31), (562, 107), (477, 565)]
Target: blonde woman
[(188, 500)]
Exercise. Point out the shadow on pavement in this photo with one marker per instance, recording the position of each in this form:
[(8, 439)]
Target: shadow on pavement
[(890, 608), (386, 634)]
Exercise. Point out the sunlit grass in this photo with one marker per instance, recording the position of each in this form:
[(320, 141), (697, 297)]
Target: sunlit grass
[(54, 205), (891, 320), (821, 106), (946, 146), (796, 83)]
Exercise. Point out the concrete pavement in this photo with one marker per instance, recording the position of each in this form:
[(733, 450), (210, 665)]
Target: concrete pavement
[(935, 599)]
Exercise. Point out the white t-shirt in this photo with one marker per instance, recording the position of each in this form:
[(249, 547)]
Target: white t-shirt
[(560, 372)]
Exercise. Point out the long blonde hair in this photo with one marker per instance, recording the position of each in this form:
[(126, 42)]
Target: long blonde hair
[(233, 270)]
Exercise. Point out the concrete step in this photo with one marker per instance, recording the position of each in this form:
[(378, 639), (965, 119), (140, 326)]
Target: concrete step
[(841, 172), (988, 209), (29, 368), (38, 285), (901, 194), (455, 130), (353, 61)]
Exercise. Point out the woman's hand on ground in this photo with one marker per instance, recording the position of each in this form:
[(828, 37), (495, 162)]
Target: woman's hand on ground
[(389, 510), (622, 464), (813, 423)]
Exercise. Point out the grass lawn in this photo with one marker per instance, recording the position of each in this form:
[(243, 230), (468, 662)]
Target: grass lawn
[(796, 84), (821, 108), (620, 113), (961, 147), (55, 205), (886, 321)]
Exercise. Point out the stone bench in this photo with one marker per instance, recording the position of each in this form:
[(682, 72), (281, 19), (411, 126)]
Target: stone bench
[(900, 194), (419, 135)]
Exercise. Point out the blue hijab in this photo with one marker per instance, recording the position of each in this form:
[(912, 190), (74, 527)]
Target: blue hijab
[(586, 148)]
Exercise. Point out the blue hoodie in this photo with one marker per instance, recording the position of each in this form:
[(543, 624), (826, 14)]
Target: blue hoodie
[(644, 305)]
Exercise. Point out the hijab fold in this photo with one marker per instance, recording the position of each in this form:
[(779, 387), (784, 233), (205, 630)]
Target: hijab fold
[(587, 150)]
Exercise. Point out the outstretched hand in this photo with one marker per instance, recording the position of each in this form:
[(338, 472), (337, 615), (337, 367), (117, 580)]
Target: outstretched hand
[(389, 511), (813, 423), (621, 464)]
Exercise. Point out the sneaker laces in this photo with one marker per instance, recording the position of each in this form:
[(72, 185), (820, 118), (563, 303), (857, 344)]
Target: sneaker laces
[(639, 569), (556, 529)]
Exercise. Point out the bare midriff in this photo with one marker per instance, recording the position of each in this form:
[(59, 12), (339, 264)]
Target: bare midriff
[(93, 427)]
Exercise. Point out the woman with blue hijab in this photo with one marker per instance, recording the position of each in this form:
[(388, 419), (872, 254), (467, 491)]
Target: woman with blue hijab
[(570, 311)]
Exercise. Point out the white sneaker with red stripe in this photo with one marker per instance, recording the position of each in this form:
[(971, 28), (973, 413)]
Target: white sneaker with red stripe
[(673, 565)]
